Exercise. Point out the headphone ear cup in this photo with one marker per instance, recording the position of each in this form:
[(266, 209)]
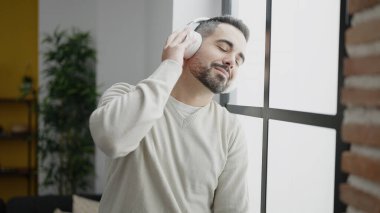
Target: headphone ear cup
[(193, 48)]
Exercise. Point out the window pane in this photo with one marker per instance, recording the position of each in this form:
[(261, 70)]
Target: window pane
[(301, 165), (253, 128), (304, 55), (250, 90)]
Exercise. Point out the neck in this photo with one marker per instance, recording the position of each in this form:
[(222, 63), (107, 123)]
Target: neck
[(191, 91)]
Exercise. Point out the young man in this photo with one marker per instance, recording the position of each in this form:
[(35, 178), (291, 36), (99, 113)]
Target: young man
[(173, 148)]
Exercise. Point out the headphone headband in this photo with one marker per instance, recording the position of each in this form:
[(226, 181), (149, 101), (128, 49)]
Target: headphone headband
[(194, 23), (201, 19)]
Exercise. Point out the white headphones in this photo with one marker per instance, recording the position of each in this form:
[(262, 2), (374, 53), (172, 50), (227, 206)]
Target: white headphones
[(193, 48)]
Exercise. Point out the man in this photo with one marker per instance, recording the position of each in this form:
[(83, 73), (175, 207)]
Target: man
[(173, 148)]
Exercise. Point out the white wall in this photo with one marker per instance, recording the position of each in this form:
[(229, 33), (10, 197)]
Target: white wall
[(158, 27), (186, 11), (129, 37), (121, 36)]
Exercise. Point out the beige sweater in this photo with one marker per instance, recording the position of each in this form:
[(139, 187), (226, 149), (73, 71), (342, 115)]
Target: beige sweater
[(162, 163)]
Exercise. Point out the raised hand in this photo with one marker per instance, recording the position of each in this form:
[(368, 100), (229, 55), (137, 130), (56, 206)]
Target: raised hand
[(176, 44)]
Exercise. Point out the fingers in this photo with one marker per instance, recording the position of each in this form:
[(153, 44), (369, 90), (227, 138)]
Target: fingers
[(189, 40), (177, 37), (171, 38), (181, 36), (176, 45)]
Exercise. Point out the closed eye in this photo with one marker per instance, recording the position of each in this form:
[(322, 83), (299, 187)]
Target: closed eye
[(225, 46), (222, 49), (239, 61)]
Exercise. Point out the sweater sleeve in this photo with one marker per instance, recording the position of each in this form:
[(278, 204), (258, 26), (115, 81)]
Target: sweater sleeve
[(231, 194), (126, 113)]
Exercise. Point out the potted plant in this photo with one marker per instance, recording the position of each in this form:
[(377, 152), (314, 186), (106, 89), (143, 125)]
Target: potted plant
[(69, 96)]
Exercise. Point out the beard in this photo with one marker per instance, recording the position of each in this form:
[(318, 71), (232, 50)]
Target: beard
[(214, 81)]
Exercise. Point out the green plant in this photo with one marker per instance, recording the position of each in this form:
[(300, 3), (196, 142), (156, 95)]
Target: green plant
[(26, 86), (69, 96)]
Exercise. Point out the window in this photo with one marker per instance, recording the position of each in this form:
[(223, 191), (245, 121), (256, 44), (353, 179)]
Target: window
[(288, 102)]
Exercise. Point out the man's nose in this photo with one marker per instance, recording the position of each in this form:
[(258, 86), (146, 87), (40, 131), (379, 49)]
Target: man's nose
[(229, 61)]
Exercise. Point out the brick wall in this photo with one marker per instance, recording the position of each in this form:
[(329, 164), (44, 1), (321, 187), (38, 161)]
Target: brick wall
[(361, 96)]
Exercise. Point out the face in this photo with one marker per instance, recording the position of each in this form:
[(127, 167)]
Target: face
[(216, 62)]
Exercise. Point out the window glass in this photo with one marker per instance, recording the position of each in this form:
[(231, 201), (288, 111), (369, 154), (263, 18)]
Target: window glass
[(304, 55), (301, 168), (250, 90)]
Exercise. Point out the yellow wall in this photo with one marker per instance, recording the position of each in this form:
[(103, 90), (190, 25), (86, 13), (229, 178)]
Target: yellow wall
[(18, 57), (18, 44)]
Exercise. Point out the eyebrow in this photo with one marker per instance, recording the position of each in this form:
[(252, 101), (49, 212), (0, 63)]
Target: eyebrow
[(231, 45)]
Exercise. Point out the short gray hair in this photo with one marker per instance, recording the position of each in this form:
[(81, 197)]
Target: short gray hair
[(207, 27)]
